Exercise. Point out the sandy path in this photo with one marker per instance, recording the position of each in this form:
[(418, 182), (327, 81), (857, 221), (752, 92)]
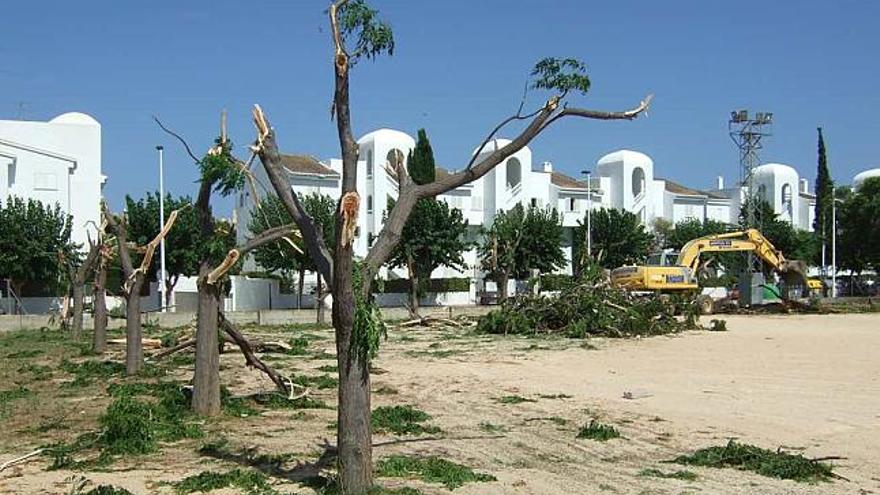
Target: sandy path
[(800, 381)]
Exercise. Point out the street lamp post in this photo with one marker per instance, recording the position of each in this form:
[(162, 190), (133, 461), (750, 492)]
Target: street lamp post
[(833, 247), (162, 289)]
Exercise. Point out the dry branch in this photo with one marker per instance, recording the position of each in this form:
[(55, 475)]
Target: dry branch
[(21, 459), (285, 386)]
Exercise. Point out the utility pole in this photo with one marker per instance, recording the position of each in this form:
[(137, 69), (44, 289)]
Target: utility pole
[(589, 234), (162, 289)]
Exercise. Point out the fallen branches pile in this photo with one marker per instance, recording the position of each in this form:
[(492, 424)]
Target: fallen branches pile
[(590, 309)]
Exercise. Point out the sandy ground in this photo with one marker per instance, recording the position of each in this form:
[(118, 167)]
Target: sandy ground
[(808, 383)]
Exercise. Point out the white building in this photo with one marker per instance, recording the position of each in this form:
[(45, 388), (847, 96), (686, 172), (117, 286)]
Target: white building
[(622, 179), (55, 162)]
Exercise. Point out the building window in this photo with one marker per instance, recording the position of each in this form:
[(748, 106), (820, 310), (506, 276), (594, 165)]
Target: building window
[(369, 164), (572, 204), (10, 175), (514, 173), (638, 181), (477, 203), (534, 202), (370, 203), (393, 157)]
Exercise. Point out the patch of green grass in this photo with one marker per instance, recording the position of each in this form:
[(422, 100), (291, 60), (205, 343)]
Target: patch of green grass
[(107, 490), (676, 475), (430, 470), (25, 353), (774, 464), (492, 428), (329, 368), (402, 420), (127, 428), (86, 372), (39, 371), (513, 399), (597, 431), (385, 390), (8, 396), (180, 360), (299, 346), (320, 382), (439, 354), (249, 481), (276, 401), (555, 396)]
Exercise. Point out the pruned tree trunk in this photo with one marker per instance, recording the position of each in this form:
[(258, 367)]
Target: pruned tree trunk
[(134, 347), (206, 382), (99, 314), (353, 415), (413, 290), (78, 278), (319, 300), (78, 303), (503, 279), (301, 283)]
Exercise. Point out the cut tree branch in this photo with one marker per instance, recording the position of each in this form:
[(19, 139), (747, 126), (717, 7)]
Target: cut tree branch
[(267, 236), (549, 113), (267, 149)]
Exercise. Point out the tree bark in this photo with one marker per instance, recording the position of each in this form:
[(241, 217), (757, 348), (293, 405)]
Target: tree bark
[(78, 303), (299, 293), (99, 314), (503, 279), (413, 290), (206, 382), (319, 300), (134, 348)]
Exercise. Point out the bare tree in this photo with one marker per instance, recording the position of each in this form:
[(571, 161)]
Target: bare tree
[(131, 287), (78, 276), (99, 297), (221, 172), (356, 23)]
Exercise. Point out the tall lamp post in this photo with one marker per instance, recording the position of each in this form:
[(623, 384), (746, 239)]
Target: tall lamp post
[(834, 245), (162, 289)]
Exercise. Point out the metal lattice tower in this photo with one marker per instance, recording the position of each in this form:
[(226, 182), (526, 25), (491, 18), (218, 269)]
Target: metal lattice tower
[(747, 133)]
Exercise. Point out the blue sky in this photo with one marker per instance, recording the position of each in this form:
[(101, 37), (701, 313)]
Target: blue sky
[(459, 67)]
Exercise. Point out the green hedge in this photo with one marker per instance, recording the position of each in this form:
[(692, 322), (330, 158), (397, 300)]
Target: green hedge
[(555, 281), (402, 285)]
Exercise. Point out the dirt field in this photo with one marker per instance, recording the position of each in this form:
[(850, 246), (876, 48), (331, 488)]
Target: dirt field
[(810, 384)]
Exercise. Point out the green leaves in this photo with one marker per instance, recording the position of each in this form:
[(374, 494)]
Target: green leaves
[(184, 242), (221, 169), (371, 36), (618, 238), (521, 240), (561, 75), (35, 244)]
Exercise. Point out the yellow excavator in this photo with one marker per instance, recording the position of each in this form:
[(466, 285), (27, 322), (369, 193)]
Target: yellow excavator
[(661, 275)]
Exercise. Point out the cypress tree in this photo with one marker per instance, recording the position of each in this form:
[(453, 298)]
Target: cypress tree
[(824, 193), (420, 162)]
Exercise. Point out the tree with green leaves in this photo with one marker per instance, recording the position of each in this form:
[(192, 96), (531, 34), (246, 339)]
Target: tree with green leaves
[(692, 228), (358, 34), (795, 244), (420, 162), (434, 233), (618, 238), (824, 197), (521, 240), (433, 236), (183, 244), (285, 256), (35, 245), (858, 234)]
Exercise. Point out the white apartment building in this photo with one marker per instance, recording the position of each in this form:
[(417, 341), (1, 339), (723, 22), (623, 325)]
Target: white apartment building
[(55, 162), (622, 179)]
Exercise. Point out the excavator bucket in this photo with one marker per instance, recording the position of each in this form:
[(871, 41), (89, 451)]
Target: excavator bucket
[(794, 278)]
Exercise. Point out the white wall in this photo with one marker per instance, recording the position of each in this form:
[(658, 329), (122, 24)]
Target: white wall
[(55, 162)]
